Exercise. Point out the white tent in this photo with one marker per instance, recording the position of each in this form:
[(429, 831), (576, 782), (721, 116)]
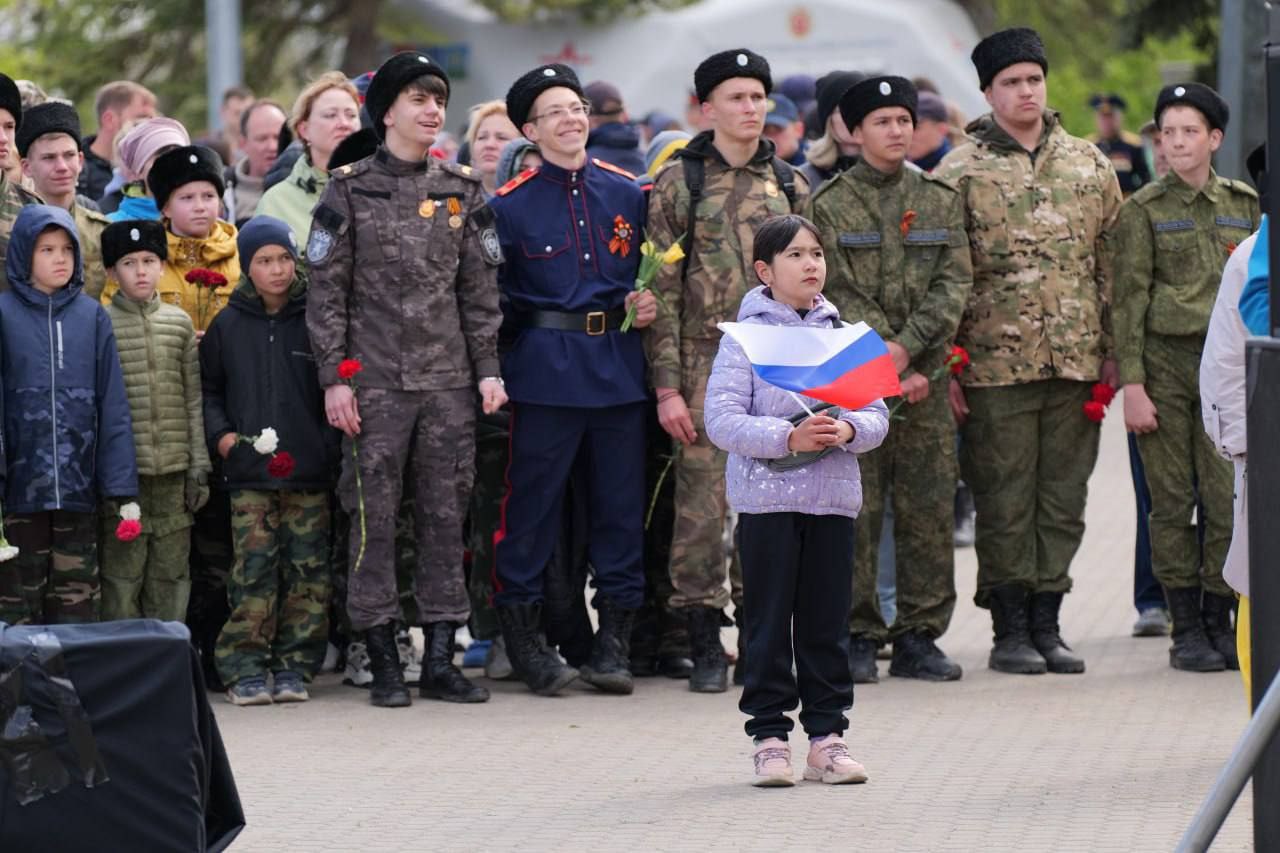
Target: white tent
[(651, 58)]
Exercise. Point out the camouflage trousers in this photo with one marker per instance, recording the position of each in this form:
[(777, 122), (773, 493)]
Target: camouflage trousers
[(54, 578), (279, 589), (1027, 453), (699, 564), (340, 551), (1181, 462), (149, 577), (436, 429), (916, 468)]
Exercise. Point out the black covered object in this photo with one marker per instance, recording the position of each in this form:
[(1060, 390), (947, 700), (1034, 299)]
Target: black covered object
[(107, 742)]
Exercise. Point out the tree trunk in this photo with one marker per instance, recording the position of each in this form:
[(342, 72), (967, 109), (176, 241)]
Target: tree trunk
[(361, 53)]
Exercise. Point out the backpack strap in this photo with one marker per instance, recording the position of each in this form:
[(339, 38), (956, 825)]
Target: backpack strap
[(785, 175), (694, 174)]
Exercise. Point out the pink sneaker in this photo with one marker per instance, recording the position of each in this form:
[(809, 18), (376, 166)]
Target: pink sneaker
[(772, 758), (829, 762)]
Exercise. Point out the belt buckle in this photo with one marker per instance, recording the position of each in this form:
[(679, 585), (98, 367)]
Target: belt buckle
[(596, 323)]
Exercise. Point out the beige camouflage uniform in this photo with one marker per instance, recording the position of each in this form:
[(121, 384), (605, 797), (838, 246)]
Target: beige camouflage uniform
[(682, 343), (91, 224), (898, 260), (12, 199), (1169, 247), (1037, 328)]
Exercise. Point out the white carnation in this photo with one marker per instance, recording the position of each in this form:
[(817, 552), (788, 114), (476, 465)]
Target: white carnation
[(8, 552), (131, 511), (267, 442)]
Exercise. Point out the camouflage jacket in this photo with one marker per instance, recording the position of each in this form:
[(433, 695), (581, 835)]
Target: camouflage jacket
[(90, 223), (1040, 306), (897, 256), (1168, 248), (12, 199), (734, 202), (404, 264)]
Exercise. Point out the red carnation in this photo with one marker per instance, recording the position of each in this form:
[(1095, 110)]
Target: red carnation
[(348, 368), (206, 278), (281, 465), (1103, 393), (958, 360), (1095, 411), (905, 225), (128, 529)]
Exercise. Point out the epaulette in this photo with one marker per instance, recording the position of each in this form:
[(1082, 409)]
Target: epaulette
[(825, 187), (466, 172), (1148, 192), (95, 215), (618, 170), (940, 181), (350, 170), (1239, 186), (516, 181)]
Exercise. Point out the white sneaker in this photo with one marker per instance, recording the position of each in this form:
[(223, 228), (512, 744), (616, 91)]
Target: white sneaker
[(357, 673), (410, 660)]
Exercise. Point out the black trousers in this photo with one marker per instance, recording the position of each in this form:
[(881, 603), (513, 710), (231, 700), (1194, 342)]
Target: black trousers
[(797, 577)]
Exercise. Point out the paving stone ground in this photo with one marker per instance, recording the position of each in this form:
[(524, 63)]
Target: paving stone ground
[(1117, 759)]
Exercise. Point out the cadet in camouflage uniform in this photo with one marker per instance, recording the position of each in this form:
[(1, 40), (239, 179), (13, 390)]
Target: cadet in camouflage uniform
[(899, 261), (50, 147), (1038, 203), (742, 185), (404, 278), (12, 197), (149, 576), (258, 373), (1171, 242)]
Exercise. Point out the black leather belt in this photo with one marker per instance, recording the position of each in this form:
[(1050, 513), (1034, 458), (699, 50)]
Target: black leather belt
[(593, 322)]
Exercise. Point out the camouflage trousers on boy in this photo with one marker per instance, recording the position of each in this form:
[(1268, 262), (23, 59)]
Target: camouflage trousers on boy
[(54, 578), (279, 587), (916, 467), (149, 577), (1027, 453), (1181, 463)]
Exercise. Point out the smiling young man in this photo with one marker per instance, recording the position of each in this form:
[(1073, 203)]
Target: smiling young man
[(1038, 204), (899, 261), (52, 157), (404, 278), (718, 189), (1171, 242), (570, 235)]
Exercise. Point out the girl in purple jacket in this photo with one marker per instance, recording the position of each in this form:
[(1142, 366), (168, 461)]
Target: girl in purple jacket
[(793, 480)]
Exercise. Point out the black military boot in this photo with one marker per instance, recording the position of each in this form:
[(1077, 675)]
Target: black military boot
[(644, 642), (440, 678), (607, 669), (1191, 651), (388, 689), (1012, 651), (1218, 612), (1046, 635), (533, 660), (915, 655), (710, 670), (862, 660)]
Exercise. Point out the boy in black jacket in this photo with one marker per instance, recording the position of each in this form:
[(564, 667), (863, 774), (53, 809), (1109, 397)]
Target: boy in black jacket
[(259, 376)]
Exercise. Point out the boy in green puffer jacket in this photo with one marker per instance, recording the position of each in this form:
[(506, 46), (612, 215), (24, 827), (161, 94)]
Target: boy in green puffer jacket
[(149, 576)]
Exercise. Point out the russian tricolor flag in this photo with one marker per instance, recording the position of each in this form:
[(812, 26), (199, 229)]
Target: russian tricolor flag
[(849, 366)]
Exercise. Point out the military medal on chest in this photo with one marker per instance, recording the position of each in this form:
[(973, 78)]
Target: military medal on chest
[(455, 212), (427, 209)]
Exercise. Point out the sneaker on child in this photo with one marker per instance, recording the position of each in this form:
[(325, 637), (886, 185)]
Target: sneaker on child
[(410, 659), (830, 763), (772, 759), (249, 691), (357, 673), (288, 686)]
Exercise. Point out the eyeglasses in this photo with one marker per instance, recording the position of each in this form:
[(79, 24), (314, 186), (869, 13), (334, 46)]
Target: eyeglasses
[(558, 113)]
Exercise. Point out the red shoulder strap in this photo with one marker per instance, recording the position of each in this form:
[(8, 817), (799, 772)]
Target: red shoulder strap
[(605, 164), (516, 181)]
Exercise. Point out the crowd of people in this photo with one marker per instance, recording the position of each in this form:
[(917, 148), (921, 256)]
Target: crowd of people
[(333, 372)]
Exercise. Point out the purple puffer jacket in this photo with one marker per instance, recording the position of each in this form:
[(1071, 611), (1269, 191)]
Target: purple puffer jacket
[(747, 417)]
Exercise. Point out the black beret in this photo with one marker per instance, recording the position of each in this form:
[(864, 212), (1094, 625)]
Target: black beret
[(357, 146), (726, 65), (876, 92), (49, 117), (133, 235), (830, 89), (999, 50), (184, 165), (530, 85), (1198, 95), (391, 78), (11, 99)]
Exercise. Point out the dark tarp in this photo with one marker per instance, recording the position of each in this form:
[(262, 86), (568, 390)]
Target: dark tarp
[(107, 742)]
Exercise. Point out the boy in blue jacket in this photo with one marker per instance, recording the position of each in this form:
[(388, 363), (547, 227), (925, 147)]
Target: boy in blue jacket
[(67, 441)]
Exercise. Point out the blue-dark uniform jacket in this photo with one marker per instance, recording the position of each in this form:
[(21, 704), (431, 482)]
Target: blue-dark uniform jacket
[(559, 233)]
